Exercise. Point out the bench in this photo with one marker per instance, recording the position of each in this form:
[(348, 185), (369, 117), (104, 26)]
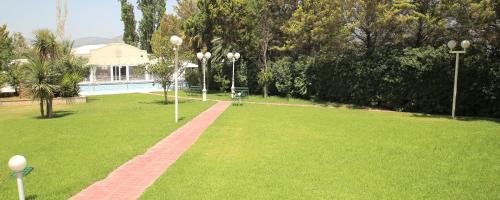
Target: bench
[(193, 90), (240, 93)]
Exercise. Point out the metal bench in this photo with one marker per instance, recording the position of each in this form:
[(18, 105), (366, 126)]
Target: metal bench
[(193, 90), (240, 93)]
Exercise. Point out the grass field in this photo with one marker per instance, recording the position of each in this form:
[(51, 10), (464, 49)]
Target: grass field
[(253, 98), (84, 143), (278, 152)]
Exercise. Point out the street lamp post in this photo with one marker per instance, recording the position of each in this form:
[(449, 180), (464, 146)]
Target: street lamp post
[(233, 57), (452, 44), (176, 41), (17, 164), (204, 58)]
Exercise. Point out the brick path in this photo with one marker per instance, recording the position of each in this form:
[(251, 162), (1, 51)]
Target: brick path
[(131, 179)]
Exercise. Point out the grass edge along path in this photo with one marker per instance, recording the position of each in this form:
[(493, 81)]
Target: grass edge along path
[(131, 179)]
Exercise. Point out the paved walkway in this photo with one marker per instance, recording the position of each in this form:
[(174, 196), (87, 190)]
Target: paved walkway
[(131, 179)]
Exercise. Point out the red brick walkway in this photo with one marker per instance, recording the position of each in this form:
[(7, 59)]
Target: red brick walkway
[(131, 179)]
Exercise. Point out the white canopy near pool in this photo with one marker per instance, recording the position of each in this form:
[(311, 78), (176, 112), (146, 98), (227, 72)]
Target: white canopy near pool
[(114, 62), (114, 71), (117, 62)]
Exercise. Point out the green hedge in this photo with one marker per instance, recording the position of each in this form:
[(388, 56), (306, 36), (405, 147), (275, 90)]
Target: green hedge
[(414, 79)]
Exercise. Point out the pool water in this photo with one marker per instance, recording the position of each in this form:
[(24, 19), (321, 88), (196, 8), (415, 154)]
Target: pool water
[(119, 86)]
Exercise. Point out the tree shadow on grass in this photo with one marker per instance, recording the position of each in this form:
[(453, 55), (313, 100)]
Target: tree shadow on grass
[(31, 197), (466, 119), (92, 99), (341, 105), (58, 114), (170, 102)]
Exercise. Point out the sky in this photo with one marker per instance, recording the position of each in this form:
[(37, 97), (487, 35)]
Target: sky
[(86, 18)]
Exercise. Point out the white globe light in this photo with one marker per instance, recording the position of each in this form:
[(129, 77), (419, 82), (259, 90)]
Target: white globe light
[(465, 44), (179, 41), (17, 163), (199, 55), (173, 39), (176, 40), (452, 44), (208, 55), (237, 56), (230, 55)]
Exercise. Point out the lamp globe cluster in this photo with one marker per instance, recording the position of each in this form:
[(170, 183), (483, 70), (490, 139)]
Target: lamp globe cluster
[(201, 56), (236, 56), (452, 44), (176, 40)]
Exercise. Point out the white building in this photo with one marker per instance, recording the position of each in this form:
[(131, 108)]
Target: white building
[(114, 62)]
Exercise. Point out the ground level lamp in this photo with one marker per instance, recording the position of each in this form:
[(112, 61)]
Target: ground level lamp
[(204, 58), (452, 44), (233, 57), (17, 164), (176, 41)]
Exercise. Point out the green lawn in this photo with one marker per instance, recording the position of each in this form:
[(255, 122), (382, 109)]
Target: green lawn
[(85, 142), (277, 152), (252, 98)]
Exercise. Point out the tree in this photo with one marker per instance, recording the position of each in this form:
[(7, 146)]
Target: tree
[(45, 44), (20, 46), (427, 24), (377, 23), (5, 53), (15, 75), (15, 71), (152, 13), (41, 84), (384, 53), (5, 47), (265, 36), (128, 19), (163, 69), (186, 8), (197, 28), (70, 70), (53, 70)]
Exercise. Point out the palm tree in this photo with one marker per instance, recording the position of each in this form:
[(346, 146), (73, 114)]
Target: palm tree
[(54, 71), (45, 44), (39, 84), (46, 48), (71, 69)]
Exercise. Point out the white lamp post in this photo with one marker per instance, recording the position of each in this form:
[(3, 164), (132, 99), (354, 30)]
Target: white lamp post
[(233, 57), (452, 44), (204, 58), (176, 41), (17, 163)]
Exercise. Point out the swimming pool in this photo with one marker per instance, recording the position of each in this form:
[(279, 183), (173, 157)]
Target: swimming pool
[(88, 89)]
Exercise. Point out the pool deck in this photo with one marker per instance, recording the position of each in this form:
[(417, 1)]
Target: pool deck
[(94, 93)]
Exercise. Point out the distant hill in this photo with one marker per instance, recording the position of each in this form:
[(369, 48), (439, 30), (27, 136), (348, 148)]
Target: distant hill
[(96, 40)]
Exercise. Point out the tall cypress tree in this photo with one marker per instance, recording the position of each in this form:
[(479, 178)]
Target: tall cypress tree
[(128, 19), (152, 12)]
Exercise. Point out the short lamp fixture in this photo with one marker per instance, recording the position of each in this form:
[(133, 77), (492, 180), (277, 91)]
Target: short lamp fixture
[(17, 164)]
